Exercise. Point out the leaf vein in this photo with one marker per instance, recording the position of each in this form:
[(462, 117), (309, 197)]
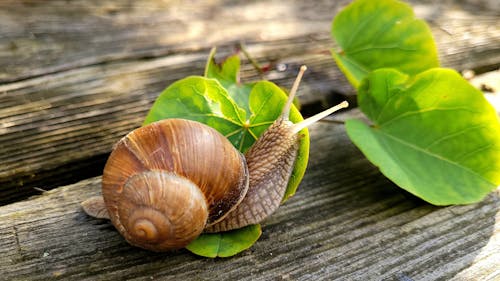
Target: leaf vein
[(388, 99), (431, 154), (230, 134), (355, 63), (256, 113), (214, 116), (261, 124), (381, 47), (427, 110), (466, 155), (359, 28), (226, 97), (455, 134)]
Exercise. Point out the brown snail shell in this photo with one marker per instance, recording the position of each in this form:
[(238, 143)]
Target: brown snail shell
[(165, 182)]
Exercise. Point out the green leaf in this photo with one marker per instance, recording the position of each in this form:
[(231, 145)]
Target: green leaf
[(380, 34), (199, 99), (228, 74), (225, 244), (241, 112), (434, 135), (262, 103)]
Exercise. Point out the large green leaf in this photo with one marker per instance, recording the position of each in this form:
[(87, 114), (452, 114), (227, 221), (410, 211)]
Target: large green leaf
[(241, 112), (434, 135), (379, 34), (225, 244)]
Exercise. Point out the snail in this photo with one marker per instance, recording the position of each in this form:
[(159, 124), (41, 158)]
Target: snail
[(169, 181)]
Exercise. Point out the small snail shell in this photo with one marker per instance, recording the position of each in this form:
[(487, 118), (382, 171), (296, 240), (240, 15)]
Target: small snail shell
[(166, 182)]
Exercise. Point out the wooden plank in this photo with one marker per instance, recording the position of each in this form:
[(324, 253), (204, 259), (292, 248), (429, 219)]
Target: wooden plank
[(57, 35), (83, 33), (347, 222)]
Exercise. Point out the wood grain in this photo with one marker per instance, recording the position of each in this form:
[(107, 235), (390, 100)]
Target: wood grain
[(347, 222), (78, 76), (55, 36)]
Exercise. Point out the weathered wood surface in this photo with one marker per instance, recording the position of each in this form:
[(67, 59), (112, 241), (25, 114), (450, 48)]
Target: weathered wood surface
[(347, 222), (40, 37), (75, 77)]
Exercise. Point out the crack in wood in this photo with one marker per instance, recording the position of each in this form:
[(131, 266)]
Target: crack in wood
[(18, 244)]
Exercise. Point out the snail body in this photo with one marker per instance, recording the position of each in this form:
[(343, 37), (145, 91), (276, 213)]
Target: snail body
[(270, 163), (167, 182)]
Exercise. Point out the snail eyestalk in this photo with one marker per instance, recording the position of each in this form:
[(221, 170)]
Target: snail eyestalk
[(286, 109), (315, 118)]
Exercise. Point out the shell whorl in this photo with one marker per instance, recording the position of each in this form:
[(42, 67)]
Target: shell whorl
[(153, 165), (170, 214)]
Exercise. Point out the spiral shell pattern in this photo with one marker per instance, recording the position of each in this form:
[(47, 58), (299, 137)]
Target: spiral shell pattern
[(172, 212), (165, 182)]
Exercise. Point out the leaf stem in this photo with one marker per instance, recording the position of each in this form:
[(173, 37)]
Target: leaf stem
[(252, 61)]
